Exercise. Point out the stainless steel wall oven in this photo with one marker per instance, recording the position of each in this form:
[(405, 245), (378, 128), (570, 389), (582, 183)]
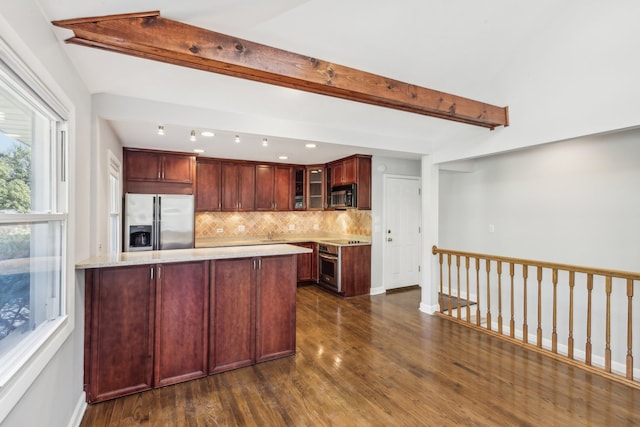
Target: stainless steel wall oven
[(329, 265)]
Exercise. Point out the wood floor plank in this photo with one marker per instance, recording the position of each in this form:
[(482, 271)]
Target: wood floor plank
[(378, 361)]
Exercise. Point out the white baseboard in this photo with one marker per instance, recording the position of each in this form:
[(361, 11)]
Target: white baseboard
[(429, 309), (78, 412), (377, 290)]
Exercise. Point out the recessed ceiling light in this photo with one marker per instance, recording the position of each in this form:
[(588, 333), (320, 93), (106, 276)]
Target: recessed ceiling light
[(283, 157), (198, 150), (207, 133), (310, 145)]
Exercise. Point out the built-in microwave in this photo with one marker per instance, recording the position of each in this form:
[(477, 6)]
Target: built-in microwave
[(344, 196)]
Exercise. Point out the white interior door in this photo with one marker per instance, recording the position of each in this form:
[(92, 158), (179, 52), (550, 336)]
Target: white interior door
[(402, 232)]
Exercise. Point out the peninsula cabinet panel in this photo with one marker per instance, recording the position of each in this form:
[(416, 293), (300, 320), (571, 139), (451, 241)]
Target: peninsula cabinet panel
[(232, 314), (276, 307), (118, 331), (181, 336), (208, 186)]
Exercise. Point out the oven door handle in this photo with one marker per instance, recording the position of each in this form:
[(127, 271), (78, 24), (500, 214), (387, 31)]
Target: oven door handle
[(329, 257)]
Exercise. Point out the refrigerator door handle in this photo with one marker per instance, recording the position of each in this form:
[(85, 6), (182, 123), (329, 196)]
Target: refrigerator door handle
[(159, 222), (155, 239)]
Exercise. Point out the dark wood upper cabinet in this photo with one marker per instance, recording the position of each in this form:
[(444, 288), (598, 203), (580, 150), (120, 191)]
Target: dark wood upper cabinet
[(353, 170), (238, 186), (274, 188), (283, 188), (299, 188), (229, 185), (149, 171), (208, 185), (264, 187), (315, 187)]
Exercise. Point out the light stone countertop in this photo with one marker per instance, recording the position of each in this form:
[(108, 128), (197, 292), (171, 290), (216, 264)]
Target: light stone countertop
[(185, 255)]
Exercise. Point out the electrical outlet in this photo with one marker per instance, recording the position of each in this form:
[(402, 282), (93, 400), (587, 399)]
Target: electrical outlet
[(492, 228), (241, 228), (292, 227), (316, 227), (219, 230)]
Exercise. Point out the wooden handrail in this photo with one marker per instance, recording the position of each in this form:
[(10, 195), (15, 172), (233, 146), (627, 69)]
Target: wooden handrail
[(544, 264), (551, 294)]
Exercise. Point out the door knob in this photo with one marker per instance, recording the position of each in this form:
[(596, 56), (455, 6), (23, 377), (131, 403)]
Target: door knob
[(389, 239)]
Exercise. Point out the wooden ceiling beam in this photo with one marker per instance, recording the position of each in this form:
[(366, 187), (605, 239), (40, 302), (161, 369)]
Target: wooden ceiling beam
[(148, 35)]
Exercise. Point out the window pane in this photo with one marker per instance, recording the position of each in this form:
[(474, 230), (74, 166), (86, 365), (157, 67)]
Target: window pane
[(30, 278), (25, 145)]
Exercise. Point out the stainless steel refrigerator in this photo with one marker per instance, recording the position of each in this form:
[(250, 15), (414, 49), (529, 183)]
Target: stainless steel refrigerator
[(158, 221)]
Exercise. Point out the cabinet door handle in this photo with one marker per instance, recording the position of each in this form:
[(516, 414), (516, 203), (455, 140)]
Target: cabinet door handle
[(151, 273)]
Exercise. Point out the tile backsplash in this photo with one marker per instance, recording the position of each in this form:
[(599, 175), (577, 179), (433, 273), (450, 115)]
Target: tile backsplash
[(250, 224)]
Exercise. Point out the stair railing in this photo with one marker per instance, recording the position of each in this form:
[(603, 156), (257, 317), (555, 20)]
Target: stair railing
[(586, 308)]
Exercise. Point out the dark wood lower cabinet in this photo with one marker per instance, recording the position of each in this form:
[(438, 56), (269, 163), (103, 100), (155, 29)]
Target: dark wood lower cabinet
[(276, 308), (153, 325), (232, 314), (356, 270), (253, 307), (119, 320), (308, 263), (182, 302)]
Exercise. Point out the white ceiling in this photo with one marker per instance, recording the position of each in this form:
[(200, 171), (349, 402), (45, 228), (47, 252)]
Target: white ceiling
[(452, 46)]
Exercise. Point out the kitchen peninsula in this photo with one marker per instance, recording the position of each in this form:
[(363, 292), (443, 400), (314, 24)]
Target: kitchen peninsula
[(160, 317)]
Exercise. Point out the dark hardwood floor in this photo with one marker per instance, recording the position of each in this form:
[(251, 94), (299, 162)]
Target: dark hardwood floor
[(378, 361)]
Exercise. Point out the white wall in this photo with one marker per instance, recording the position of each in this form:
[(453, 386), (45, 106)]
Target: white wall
[(577, 76), (575, 202), (572, 202), (56, 397), (381, 166)]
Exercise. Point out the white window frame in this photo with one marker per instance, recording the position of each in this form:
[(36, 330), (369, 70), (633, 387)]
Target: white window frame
[(115, 203), (40, 347)]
